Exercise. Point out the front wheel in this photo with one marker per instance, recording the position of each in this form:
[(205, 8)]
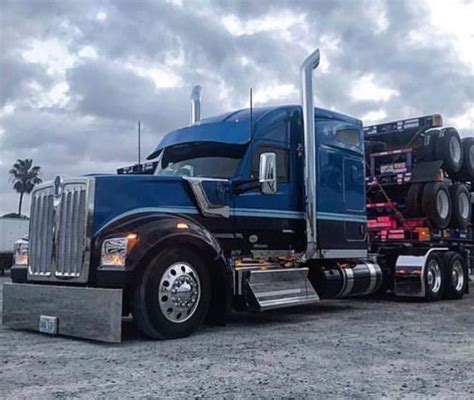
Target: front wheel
[(173, 295)]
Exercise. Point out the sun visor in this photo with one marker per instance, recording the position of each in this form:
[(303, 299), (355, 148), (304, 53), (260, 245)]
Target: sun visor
[(223, 132)]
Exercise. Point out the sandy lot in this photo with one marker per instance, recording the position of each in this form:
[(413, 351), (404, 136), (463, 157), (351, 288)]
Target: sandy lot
[(373, 348)]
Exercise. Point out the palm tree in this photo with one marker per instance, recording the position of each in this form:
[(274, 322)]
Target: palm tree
[(24, 178)]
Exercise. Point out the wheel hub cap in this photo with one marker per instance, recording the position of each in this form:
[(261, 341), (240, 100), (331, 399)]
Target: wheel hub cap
[(458, 276), (179, 292), (434, 276), (442, 204), (464, 205)]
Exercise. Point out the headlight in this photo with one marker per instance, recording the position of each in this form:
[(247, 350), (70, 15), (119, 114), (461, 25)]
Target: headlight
[(21, 252), (115, 250)]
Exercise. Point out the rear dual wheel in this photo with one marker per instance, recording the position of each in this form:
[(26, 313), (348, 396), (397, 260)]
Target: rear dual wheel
[(455, 274), (434, 278), (445, 276)]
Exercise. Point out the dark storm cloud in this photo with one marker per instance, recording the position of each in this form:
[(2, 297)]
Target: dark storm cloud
[(106, 95)]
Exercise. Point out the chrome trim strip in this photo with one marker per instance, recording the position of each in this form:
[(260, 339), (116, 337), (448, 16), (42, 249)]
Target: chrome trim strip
[(373, 276), (266, 213), (341, 217), (343, 253), (272, 253), (206, 207), (348, 282)]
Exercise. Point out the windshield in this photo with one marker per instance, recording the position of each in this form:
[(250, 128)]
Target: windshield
[(200, 160)]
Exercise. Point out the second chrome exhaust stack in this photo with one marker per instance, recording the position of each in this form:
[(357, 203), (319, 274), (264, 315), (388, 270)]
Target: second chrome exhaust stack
[(306, 75), (196, 104)]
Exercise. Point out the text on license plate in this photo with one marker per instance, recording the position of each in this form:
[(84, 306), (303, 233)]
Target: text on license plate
[(48, 324)]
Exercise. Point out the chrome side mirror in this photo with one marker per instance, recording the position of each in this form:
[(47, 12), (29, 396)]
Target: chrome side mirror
[(267, 173)]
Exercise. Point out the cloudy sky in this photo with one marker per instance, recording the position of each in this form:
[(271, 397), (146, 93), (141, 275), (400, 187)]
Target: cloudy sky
[(76, 76)]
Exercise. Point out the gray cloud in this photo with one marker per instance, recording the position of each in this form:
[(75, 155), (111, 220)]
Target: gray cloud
[(93, 127)]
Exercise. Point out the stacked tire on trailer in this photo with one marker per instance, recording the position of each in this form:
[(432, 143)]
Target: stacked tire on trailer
[(446, 203)]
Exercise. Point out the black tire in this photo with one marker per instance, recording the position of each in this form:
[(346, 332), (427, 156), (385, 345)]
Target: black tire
[(425, 146), (148, 294), (467, 170), (436, 204), (460, 205), (448, 149), (414, 196), (434, 281), (455, 276)]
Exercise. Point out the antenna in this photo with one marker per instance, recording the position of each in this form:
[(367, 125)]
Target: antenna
[(139, 143), (251, 113)]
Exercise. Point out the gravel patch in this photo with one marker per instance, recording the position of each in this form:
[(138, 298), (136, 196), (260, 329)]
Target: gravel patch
[(358, 349)]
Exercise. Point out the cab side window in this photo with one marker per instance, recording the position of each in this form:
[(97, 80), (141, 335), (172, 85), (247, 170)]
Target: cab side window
[(282, 159)]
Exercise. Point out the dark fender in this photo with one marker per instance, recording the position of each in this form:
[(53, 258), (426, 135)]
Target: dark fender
[(157, 231)]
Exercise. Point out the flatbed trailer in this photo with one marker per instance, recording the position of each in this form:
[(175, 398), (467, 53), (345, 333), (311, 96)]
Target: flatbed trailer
[(400, 155)]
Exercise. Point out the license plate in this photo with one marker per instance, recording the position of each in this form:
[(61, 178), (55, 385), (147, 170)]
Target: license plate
[(48, 324), (393, 168)]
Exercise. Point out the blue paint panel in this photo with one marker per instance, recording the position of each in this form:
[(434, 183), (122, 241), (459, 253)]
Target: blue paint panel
[(340, 190), (116, 195), (354, 184), (330, 182), (218, 192)]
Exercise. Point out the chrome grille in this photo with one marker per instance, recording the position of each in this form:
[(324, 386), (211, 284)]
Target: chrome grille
[(41, 231), (71, 227), (59, 227)]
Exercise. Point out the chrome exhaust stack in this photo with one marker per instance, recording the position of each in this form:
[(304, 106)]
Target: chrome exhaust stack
[(196, 104), (306, 75)]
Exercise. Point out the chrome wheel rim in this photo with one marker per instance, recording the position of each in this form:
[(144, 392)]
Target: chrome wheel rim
[(433, 274), (455, 149), (457, 276), (442, 204), (464, 205), (179, 292)]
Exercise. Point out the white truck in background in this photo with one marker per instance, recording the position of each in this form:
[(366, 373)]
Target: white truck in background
[(11, 230)]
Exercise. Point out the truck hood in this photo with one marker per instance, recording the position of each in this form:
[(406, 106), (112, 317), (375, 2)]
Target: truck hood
[(117, 196)]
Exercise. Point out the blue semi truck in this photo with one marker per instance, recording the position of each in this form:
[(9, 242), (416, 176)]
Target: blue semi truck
[(256, 209)]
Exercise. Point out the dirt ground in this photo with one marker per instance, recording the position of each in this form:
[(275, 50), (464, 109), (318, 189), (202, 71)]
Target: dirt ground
[(372, 348)]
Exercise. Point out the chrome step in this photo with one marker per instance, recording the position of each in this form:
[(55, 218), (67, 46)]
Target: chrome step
[(278, 288)]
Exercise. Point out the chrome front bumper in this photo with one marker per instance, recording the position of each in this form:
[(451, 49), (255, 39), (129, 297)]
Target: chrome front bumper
[(88, 313)]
